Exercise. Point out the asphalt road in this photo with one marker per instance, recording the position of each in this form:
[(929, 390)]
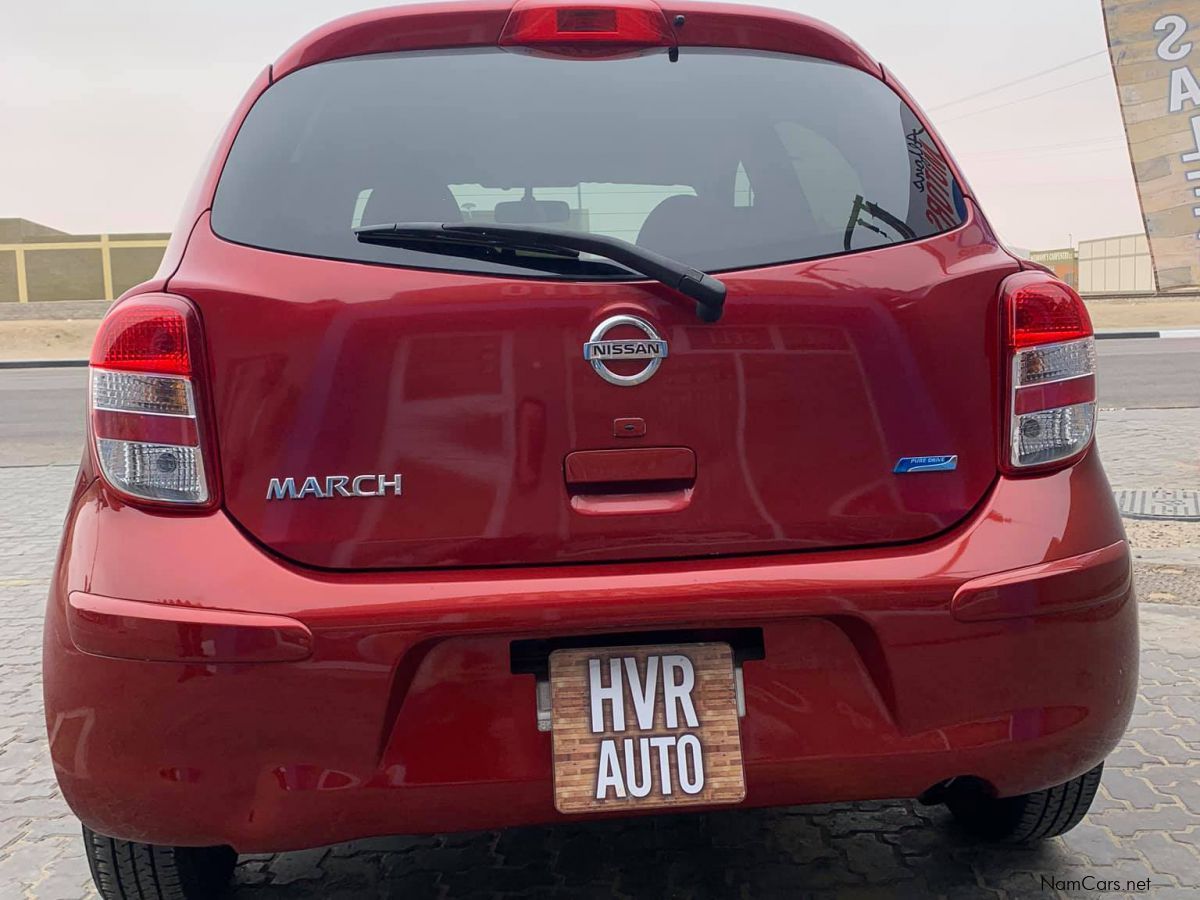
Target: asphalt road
[(41, 410), (41, 416), (1154, 374)]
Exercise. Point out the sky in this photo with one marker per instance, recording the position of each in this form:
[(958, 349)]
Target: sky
[(108, 109)]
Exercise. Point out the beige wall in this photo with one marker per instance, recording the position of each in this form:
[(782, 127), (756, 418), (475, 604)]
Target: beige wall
[(133, 265), (64, 275), (1118, 265), (8, 277), (39, 263)]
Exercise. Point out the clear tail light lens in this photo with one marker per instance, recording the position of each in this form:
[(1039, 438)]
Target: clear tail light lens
[(1056, 362), (1051, 435), (168, 472), (160, 395), (1052, 390), (142, 402)]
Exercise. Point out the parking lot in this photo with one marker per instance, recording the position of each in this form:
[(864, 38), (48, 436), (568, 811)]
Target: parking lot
[(1144, 826)]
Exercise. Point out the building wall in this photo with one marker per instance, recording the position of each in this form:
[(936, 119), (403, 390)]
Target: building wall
[(1118, 265), (8, 276), (64, 274), (40, 263), (1064, 263)]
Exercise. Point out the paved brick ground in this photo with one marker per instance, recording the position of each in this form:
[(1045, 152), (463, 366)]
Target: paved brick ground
[(1157, 448), (1144, 825), (1150, 448)]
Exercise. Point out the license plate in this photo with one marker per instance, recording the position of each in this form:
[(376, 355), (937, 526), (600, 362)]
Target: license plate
[(645, 727)]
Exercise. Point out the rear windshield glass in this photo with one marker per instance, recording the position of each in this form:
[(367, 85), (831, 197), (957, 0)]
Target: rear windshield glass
[(723, 159)]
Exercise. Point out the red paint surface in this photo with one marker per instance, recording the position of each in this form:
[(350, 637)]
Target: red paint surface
[(591, 467), (870, 687), (479, 24), (798, 404), (404, 715), (1064, 585), (129, 629)]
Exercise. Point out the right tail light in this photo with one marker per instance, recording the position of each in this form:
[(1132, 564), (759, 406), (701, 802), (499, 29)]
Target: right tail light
[(1052, 373), (144, 411)]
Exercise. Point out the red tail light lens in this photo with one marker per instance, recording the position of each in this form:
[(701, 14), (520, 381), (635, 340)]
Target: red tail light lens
[(1052, 373), (148, 338), (627, 22), (144, 419), (1046, 311)]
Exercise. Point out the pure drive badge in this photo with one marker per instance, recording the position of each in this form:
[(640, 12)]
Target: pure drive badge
[(911, 465), (333, 486), (599, 352)]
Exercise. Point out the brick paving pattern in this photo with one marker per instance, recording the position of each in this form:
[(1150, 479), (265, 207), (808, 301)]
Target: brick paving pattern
[(1145, 823), (1147, 449), (1150, 448)]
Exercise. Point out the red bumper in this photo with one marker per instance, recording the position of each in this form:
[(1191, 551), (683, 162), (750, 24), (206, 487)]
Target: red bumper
[(199, 691)]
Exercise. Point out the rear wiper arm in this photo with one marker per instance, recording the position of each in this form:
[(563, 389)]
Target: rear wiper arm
[(708, 292), (875, 211)]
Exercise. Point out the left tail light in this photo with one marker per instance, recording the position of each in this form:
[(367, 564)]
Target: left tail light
[(144, 404), (1052, 373)]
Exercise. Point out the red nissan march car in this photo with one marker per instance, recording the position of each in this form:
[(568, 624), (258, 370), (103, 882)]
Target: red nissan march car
[(551, 410)]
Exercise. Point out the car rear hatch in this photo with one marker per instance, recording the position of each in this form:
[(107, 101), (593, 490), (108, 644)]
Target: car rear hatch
[(399, 406)]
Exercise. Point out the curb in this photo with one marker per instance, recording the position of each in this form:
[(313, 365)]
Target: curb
[(1128, 335), (42, 363)]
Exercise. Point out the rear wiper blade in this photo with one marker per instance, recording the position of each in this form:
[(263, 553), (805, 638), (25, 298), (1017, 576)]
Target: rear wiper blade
[(708, 292), (435, 233)]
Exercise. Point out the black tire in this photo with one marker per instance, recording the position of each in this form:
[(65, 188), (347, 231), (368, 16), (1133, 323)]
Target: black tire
[(1027, 818), (125, 870)]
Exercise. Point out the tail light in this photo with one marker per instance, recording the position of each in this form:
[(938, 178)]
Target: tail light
[(576, 25), (1052, 356), (143, 405)]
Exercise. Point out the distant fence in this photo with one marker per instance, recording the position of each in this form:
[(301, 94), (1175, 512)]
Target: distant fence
[(77, 267)]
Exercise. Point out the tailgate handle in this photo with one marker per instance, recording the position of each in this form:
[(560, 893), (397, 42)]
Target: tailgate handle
[(630, 482)]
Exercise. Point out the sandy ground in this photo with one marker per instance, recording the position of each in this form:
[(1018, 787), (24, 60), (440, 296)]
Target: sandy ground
[(1154, 534), (1151, 534), (1166, 561), (47, 339), (72, 338), (1152, 314)]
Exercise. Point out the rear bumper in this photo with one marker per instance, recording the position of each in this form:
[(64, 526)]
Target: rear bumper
[(199, 691)]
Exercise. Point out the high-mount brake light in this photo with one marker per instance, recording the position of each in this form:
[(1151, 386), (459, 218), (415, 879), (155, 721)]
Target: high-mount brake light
[(142, 402), (628, 23), (1052, 373)]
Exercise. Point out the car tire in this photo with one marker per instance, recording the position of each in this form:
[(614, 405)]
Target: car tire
[(1027, 818), (127, 870)]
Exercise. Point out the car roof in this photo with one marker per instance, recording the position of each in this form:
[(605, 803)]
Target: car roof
[(479, 23)]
